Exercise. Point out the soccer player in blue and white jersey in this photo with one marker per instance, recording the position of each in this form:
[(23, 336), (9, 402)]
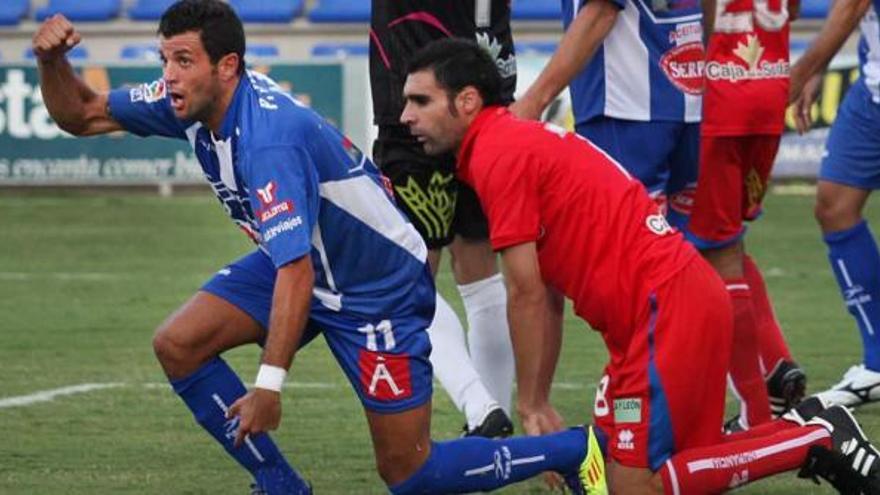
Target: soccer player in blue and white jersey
[(334, 256), (850, 171), (635, 74)]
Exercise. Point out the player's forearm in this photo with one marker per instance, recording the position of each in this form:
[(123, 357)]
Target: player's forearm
[(532, 346), (708, 7), (842, 19), (580, 42), (66, 95), (291, 302), (552, 341)]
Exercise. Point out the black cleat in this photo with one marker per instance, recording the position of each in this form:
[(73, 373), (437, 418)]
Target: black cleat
[(809, 408), (496, 424), (786, 387), (852, 465)]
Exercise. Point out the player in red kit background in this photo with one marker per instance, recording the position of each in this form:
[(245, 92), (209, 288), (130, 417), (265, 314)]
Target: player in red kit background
[(744, 100), (569, 221)]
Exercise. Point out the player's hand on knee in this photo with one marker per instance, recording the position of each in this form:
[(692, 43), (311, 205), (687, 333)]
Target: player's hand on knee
[(258, 411), (54, 38)]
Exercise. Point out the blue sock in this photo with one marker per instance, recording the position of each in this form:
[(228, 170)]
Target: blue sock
[(477, 464), (856, 263), (208, 393)]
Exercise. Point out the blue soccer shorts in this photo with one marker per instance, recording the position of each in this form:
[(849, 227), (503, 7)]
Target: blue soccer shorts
[(664, 156), (852, 152), (385, 357)]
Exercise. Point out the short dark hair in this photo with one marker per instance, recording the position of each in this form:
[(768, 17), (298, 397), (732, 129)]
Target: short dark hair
[(218, 26), (458, 63)]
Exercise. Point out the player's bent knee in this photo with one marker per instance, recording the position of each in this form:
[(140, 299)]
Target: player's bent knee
[(834, 215), (175, 358), (396, 467)]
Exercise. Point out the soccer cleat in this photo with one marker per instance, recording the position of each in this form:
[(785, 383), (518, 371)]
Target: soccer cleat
[(496, 424), (853, 464), (859, 386), (809, 408), (786, 387), (590, 476)]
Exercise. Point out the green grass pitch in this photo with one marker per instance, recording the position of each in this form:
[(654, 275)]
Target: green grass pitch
[(84, 280)]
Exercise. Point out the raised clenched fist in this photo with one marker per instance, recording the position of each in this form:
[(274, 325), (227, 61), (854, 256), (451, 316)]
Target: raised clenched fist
[(54, 38)]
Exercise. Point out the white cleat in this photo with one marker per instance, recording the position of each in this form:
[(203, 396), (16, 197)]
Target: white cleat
[(859, 386)]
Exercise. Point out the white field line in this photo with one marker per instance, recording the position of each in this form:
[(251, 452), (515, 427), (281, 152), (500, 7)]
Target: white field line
[(50, 395)]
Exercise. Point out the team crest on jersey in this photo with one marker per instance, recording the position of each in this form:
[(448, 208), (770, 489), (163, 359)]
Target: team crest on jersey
[(683, 66), (385, 376), (352, 151), (658, 224)]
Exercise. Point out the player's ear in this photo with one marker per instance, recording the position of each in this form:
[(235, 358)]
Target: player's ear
[(469, 100), (227, 66)]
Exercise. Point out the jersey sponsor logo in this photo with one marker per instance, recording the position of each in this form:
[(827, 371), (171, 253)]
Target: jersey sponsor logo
[(285, 226), (750, 54), (683, 66), (625, 440), (273, 211), (384, 376), (267, 193), (686, 33), (658, 224), (628, 410), (153, 91), (739, 479)]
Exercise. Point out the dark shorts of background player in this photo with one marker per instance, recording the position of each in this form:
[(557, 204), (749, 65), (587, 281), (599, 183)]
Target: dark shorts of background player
[(425, 187)]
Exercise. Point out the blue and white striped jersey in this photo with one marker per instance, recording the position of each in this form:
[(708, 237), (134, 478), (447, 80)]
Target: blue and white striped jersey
[(649, 67), (869, 51), (296, 186)]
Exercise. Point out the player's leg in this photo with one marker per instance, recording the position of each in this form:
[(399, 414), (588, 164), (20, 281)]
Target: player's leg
[(848, 173), (231, 310), (716, 229), (482, 290), (391, 373), (426, 190), (676, 447)]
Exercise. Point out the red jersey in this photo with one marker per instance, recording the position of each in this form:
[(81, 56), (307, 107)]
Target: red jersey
[(601, 240), (747, 69)]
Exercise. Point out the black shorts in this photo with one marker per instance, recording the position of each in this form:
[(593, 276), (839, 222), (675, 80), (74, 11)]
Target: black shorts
[(425, 187)]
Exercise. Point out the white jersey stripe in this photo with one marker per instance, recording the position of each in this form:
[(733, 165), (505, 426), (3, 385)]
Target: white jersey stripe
[(361, 198), (626, 96)]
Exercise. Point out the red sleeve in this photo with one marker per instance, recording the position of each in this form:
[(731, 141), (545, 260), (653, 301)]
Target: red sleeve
[(509, 192)]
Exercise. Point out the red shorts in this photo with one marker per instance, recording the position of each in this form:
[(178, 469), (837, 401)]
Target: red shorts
[(733, 179), (665, 392)]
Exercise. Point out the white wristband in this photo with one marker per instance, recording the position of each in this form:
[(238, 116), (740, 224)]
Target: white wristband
[(270, 377)]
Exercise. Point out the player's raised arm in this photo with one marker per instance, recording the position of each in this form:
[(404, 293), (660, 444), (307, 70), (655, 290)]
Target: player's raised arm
[(578, 45), (74, 106), (842, 19)]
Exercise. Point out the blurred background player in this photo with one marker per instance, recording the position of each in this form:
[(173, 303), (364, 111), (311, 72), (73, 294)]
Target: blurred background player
[(477, 373), (334, 256), (743, 111), (568, 220), (634, 71), (850, 171)]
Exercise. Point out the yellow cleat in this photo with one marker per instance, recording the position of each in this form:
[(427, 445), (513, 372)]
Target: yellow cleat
[(590, 478)]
